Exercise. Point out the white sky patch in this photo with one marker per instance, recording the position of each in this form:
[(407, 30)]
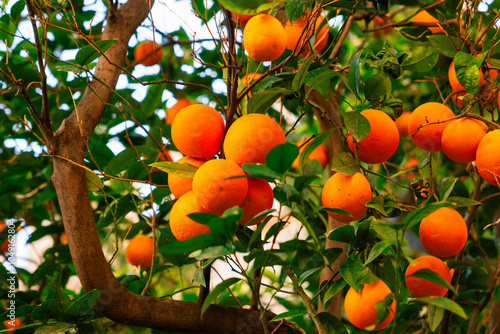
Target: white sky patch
[(115, 146), (120, 127)]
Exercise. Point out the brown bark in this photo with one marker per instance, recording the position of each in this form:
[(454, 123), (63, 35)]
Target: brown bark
[(116, 302)]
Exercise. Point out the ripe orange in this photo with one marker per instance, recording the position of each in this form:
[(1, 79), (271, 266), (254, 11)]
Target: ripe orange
[(488, 159), (319, 153), (172, 112), (63, 238), (248, 78), (12, 324), (360, 308), (424, 16), (443, 232), (264, 38), (380, 21), (179, 185), (181, 225), (299, 33), (402, 123), (140, 251), (260, 197), (251, 137), (347, 192), (147, 53), (215, 190), (198, 131), (420, 287), (241, 19), (428, 137), (381, 142), (461, 138)]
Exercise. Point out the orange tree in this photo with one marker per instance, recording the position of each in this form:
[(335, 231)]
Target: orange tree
[(86, 155)]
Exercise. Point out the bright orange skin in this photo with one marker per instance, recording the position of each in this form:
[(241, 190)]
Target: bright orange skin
[(360, 308), (144, 53), (424, 16), (297, 35), (487, 158), (260, 197), (140, 251), (251, 137), (380, 21), (198, 131), (63, 238), (179, 185), (264, 38), (8, 324), (346, 192), (247, 79), (443, 232), (420, 287), (381, 142), (402, 123), (461, 138), (172, 112), (5, 245), (241, 19), (319, 153), (181, 225), (428, 137), (215, 190)]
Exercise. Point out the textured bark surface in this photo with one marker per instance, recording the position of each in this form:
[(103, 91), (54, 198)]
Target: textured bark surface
[(68, 148)]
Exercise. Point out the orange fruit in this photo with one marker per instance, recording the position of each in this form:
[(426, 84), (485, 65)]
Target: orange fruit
[(12, 324), (402, 123), (428, 137), (420, 287), (198, 131), (251, 137), (172, 111), (360, 309), (179, 185), (443, 232), (260, 197), (264, 38), (140, 251), (181, 225), (382, 140), (461, 138), (488, 159), (241, 19), (425, 17), (347, 192), (147, 53), (299, 33), (247, 79), (319, 153), (380, 21), (63, 238), (214, 188)]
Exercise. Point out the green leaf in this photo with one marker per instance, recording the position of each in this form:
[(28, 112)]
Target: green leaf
[(433, 277), (447, 188), (355, 274), (261, 171), (333, 210), (260, 102), (472, 78), (331, 323), (375, 87), (184, 170), (190, 245), (353, 75), (55, 328), (434, 316), (127, 158), (462, 61), (299, 78), (383, 308), (21, 310), (214, 252), (89, 53), (281, 157), (421, 59), (94, 182), (82, 307), (344, 163), (294, 9), (15, 12), (445, 303), (376, 250), (336, 287), (357, 125), (445, 44), (343, 234), (460, 202), (220, 288), (289, 314), (310, 147), (319, 80), (247, 7)]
